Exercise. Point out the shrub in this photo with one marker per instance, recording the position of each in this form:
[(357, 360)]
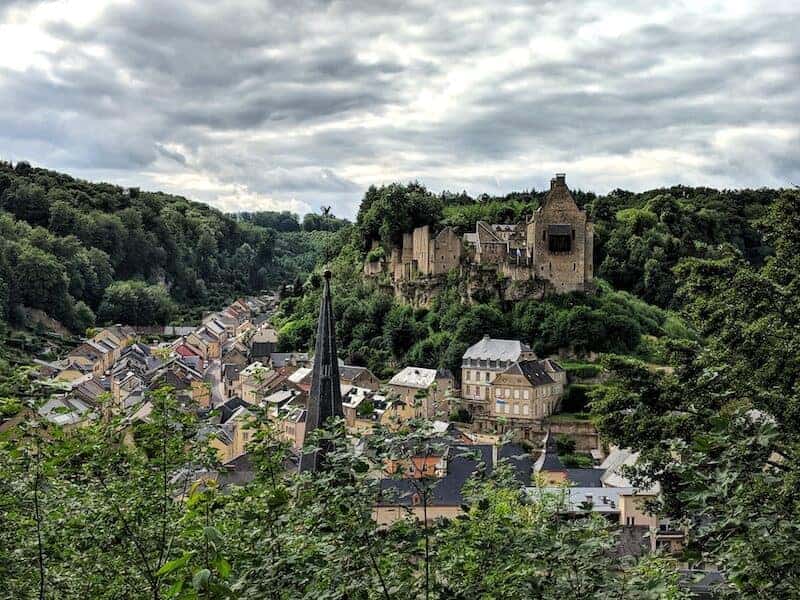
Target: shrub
[(576, 398)]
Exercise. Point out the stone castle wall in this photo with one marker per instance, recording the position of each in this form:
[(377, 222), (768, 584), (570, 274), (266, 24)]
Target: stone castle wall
[(516, 252), (566, 271)]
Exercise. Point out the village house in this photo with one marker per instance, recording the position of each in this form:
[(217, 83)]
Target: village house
[(526, 391), (262, 344), (287, 410), (236, 354), (481, 363), (186, 380), (257, 381), (226, 320), (103, 348), (364, 409), (122, 388), (279, 360), (423, 391), (183, 348), (359, 408), (608, 491), (74, 367), (446, 473), (358, 377), (91, 390), (67, 412), (231, 436), (231, 385)]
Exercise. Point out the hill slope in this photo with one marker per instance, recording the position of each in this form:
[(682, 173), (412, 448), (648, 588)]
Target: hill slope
[(639, 239), (92, 251)]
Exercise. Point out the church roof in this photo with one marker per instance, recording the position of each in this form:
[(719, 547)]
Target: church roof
[(325, 397)]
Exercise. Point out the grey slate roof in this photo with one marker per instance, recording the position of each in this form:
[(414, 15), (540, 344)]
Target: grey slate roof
[(463, 461), (231, 372), (548, 460), (325, 397), (281, 359), (586, 477), (350, 372), (532, 370), (496, 349)]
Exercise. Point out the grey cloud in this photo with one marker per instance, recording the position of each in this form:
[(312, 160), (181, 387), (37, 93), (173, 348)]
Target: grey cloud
[(282, 99)]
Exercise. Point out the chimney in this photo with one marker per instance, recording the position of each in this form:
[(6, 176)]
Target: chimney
[(560, 180)]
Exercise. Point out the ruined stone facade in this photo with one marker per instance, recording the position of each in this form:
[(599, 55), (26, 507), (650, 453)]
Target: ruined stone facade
[(561, 240), (425, 255), (551, 253)]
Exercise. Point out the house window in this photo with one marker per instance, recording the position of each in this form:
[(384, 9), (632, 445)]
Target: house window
[(498, 407), (468, 375), (516, 409), (525, 395), (508, 393), (525, 410), (516, 394), (487, 375)]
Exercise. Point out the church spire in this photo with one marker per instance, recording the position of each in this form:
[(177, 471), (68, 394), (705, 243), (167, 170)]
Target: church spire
[(325, 398)]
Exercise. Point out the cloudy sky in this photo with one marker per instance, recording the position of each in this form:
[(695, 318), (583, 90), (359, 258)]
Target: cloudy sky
[(292, 105)]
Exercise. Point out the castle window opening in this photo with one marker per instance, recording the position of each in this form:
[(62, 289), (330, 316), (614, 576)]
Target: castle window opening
[(560, 238)]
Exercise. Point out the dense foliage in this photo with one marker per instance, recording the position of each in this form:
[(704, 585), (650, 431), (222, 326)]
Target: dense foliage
[(64, 242), (119, 512), (721, 431), (639, 237), (378, 331)]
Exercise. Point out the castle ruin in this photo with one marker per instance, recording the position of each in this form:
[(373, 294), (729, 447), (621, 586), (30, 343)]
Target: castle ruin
[(551, 252)]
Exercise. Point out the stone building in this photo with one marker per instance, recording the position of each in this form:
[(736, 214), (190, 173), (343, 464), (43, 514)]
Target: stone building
[(481, 363), (505, 387), (526, 392), (497, 243), (424, 255), (550, 253), (424, 390), (561, 240)]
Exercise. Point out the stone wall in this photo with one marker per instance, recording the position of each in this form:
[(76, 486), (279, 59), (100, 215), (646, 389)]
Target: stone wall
[(493, 272), (566, 271), (419, 293), (420, 252), (584, 434), (445, 252)]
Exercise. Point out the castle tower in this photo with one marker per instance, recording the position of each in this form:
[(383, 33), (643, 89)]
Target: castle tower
[(561, 240), (325, 398)]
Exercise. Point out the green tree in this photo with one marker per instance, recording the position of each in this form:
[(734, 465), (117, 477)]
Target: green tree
[(135, 303)]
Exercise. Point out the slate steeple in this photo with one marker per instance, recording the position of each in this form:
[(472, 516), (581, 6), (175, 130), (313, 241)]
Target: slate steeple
[(325, 398), (549, 460)]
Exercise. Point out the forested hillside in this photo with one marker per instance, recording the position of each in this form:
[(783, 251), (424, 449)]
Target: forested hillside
[(639, 239), (87, 252)]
